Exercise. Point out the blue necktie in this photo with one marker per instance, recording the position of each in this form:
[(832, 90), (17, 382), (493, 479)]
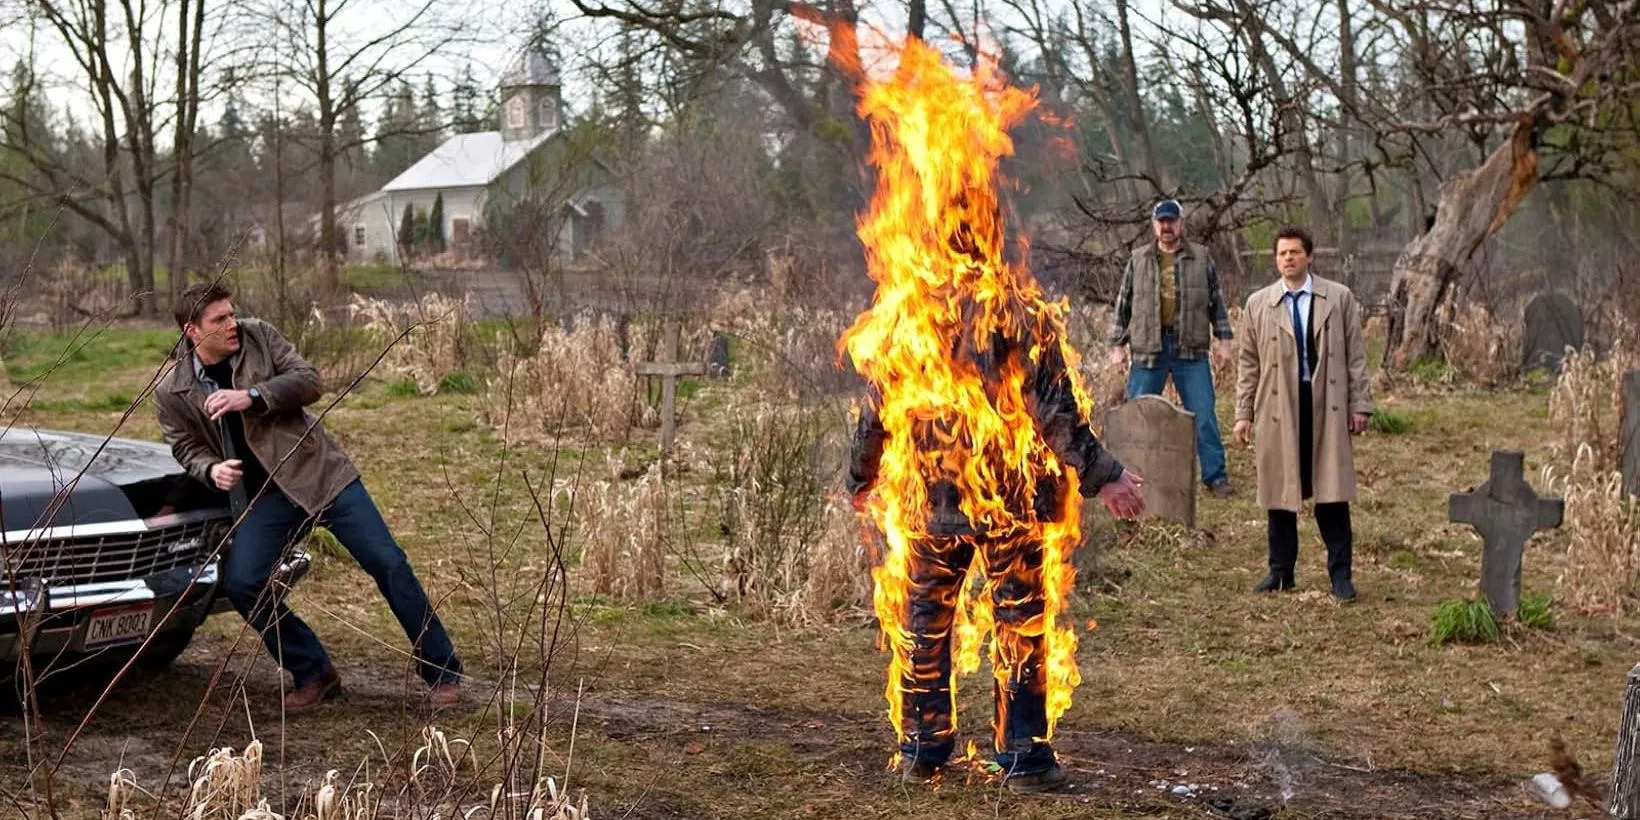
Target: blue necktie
[(1298, 336)]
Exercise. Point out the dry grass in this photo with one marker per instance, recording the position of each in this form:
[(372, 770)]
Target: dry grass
[(576, 379), (440, 344), (624, 526), (790, 351), (1481, 347), (441, 782), (1088, 326), (1585, 406), (1602, 524)]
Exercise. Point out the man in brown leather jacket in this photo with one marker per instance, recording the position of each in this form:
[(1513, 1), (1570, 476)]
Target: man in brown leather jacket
[(232, 411)]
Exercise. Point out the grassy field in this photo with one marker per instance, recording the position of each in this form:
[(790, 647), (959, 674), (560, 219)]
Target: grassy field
[(676, 708)]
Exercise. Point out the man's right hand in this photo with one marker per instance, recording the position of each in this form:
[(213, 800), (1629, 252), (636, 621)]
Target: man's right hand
[(226, 474), (1119, 357), (1244, 431), (1122, 496)]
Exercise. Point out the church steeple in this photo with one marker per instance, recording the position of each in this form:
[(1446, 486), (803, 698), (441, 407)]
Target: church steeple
[(530, 98)]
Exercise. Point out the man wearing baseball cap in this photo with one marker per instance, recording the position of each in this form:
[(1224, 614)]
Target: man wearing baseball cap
[(1169, 313)]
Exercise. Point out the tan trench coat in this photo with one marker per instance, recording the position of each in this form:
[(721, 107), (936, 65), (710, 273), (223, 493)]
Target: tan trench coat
[(316, 470), (1267, 392)]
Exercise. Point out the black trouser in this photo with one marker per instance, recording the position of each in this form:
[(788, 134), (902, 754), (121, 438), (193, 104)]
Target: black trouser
[(1013, 566), (1332, 519)]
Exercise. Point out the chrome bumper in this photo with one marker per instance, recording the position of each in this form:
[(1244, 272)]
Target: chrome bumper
[(57, 618)]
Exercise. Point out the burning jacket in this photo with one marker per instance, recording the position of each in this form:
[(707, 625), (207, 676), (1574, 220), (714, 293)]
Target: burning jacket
[(1055, 415)]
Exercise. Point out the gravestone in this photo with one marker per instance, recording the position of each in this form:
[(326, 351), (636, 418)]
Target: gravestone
[(1153, 437), (717, 359), (669, 369), (1553, 323), (1631, 433), (1506, 511)]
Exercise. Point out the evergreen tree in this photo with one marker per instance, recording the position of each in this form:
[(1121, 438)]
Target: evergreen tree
[(435, 225), (397, 146), (419, 233), (429, 118), (465, 117), (407, 231)]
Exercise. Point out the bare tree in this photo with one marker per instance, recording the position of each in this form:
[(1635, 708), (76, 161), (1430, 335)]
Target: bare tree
[(320, 55)]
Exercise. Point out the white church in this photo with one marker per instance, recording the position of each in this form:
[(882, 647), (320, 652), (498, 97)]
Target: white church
[(524, 158)]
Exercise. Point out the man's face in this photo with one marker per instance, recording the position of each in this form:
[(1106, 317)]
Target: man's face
[(1167, 231), (1291, 258), (216, 334)]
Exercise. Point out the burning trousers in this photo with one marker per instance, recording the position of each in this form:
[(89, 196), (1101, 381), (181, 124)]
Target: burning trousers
[(1012, 605)]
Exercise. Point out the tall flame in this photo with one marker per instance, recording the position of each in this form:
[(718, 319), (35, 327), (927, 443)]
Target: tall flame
[(935, 245)]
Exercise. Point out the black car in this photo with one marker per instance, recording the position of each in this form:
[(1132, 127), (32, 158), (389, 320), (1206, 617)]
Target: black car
[(106, 541)]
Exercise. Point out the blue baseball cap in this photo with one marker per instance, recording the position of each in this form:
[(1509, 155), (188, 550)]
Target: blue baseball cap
[(1167, 209)]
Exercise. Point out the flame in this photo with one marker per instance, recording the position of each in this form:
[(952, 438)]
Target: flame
[(935, 245)]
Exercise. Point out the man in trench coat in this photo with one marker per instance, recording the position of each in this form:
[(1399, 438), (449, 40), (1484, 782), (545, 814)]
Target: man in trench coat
[(1302, 391)]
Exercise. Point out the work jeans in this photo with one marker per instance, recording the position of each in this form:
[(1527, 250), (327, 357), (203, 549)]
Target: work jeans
[(1193, 378), (275, 523), (1014, 568)]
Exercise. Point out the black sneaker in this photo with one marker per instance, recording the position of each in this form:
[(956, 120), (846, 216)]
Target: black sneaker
[(1044, 781)]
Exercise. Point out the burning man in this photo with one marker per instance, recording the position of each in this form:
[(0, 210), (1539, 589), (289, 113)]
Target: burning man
[(973, 447)]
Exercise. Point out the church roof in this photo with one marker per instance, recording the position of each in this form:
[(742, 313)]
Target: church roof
[(466, 160), (531, 68)]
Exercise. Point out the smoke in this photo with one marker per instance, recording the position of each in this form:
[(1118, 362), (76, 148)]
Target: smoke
[(1282, 749)]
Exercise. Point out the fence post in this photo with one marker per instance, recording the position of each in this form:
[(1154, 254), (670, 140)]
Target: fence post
[(1623, 801)]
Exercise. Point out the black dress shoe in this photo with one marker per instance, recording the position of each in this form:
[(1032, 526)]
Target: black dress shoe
[(1282, 581), (1343, 590)]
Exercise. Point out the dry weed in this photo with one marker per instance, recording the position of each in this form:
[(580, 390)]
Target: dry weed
[(788, 351), (575, 379), (440, 344), (789, 550), (624, 527), (1584, 408), (1602, 525), (1479, 346), (228, 786), (1089, 326)]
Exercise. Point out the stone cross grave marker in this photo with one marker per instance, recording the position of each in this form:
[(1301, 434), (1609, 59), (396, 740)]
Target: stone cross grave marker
[(669, 369), (1631, 433), (1157, 440), (1506, 511), (1553, 323)]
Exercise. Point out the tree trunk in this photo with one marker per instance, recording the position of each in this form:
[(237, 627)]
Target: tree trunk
[(1135, 105), (329, 276), (1473, 205)]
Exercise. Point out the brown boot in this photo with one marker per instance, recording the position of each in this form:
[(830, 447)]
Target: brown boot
[(444, 695), (311, 694)]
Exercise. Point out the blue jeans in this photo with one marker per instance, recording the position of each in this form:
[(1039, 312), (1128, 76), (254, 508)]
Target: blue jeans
[(273, 524), (1193, 378)]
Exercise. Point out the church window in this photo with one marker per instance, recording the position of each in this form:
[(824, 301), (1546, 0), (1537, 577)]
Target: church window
[(515, 113), (358, 235), (549, 113)]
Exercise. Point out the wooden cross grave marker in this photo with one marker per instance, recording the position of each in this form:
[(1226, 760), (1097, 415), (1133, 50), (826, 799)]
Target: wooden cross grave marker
[(1506, 511), (669, 369)]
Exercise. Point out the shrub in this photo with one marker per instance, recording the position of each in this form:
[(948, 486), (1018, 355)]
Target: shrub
[(623, 527)]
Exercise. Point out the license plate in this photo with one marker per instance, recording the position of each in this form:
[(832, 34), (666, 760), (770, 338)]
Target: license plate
[(118, 624)]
